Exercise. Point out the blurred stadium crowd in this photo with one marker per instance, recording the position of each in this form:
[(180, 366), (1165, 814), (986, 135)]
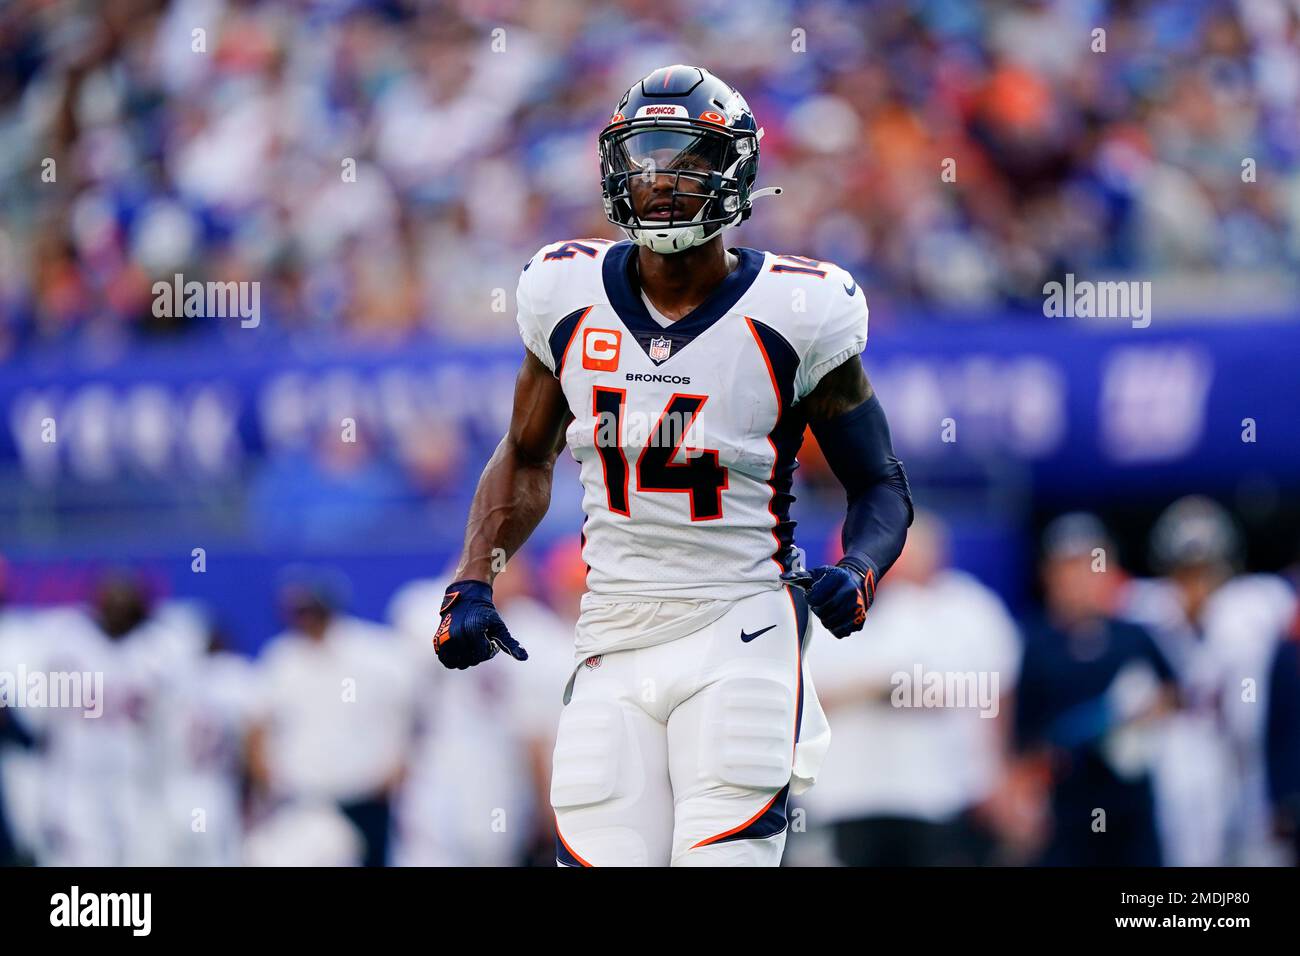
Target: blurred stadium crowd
[(1123, 722), (472, 129)]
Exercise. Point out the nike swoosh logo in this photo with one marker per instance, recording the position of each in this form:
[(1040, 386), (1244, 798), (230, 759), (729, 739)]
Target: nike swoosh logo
[(749, 637), (850, 289)]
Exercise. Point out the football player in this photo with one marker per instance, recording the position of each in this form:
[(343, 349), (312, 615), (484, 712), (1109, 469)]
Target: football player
[(682, 376)]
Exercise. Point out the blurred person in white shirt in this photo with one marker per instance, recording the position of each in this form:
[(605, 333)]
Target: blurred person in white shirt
[(477, 794), (1245, 622), (900, 782), (1219, 631), (211, 703), (19, 761), (29, 640), (336, 713), (305, 833), (100, 777)]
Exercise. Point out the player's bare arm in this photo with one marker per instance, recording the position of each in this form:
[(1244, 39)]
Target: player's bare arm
[(511, 499), (514, 490), (843, 389), (850, 426)]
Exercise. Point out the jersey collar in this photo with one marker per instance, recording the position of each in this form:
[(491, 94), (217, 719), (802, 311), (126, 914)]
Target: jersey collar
[(625, 296)]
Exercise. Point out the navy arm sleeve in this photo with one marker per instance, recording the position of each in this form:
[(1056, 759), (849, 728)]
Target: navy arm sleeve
[(860, 452)]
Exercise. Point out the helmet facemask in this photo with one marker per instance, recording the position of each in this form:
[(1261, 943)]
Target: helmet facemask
[(700, 171)]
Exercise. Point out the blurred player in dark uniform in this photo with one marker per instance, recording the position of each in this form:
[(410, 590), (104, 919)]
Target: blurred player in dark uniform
[(1283, 738), (1090, 686)]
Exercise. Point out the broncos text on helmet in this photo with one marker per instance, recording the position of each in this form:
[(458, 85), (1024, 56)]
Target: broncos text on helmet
[(679, 158)]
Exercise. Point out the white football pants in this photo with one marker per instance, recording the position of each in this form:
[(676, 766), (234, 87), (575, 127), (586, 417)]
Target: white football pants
[(681, 754)]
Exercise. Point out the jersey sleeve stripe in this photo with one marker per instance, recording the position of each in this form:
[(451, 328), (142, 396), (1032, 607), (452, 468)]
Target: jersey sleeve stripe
[(562, 337), (781, 359), (771, 373), (785, 438)]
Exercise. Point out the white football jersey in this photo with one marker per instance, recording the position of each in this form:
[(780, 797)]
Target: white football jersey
[(687, 433)]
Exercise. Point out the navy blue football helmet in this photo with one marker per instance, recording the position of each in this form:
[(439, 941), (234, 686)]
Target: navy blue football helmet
[(683, 146)]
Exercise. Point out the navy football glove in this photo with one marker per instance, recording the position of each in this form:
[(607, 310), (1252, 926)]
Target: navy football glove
[(839, 595), (471, 631)]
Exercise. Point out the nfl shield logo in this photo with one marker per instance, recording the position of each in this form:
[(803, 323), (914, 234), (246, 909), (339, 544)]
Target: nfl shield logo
[(659, 349)]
